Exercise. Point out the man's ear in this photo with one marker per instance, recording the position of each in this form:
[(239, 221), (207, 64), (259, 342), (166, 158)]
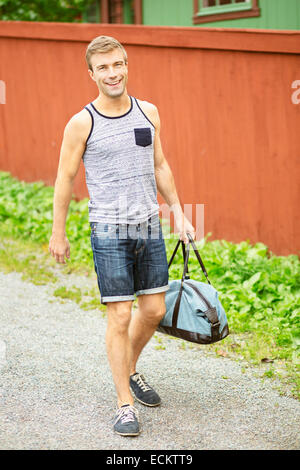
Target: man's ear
[(91, 74)]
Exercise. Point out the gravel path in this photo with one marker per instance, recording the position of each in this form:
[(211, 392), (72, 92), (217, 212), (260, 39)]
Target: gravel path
[(56, 390)]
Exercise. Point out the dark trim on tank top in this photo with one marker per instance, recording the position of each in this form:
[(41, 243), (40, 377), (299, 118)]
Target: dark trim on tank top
[(144, 113), (114, 117), (91, 114)]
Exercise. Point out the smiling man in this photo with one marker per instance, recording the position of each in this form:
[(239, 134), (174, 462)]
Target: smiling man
[(118, 138)]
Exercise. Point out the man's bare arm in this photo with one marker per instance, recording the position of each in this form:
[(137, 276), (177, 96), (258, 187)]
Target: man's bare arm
[(72, 149), (164, 177)]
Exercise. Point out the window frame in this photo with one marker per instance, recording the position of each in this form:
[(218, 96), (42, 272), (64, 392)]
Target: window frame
[(137, 6), (224, 12)]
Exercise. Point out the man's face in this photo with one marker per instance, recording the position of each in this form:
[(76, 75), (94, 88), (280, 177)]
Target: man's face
[(110, 72)]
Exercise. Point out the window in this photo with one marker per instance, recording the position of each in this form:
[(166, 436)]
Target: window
[(114, 11), (206, 11), (91, 13)]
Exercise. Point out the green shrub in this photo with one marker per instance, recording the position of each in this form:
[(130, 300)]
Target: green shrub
[(43, 10)]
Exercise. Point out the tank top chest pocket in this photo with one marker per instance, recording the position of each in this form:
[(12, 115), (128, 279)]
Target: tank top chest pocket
[(143, 136)]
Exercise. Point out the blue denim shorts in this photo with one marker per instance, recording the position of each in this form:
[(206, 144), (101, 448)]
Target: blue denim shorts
[(129, 259)]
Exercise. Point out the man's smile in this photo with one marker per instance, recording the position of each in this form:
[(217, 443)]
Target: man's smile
[(114, 83)]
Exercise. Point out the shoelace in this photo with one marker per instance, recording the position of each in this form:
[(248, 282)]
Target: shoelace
[(126, 414), (142, 383)]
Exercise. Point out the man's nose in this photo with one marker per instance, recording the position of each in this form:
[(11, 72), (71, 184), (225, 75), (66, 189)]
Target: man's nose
[(111, 72)]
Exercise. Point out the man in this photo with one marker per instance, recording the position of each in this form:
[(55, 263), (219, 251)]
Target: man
[(118, 138)]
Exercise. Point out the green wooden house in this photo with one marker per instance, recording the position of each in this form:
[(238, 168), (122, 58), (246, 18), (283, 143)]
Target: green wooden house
[(261, 14)]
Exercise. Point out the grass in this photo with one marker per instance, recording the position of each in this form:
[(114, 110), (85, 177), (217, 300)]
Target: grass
[(27, 258), (259, 291), (88, 300)]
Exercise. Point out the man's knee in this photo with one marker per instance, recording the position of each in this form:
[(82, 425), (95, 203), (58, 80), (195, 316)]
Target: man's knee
[(153, 313), (119, 316)]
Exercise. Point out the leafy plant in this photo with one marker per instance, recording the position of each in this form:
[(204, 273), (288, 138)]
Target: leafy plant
[(43, 10), (26, 212)]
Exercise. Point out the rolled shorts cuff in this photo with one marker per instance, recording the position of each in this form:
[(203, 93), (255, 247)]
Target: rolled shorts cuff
[(154, 290), (116, 298)]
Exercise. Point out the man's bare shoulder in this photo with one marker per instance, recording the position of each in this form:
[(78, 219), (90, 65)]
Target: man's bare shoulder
[(79, 124), (150, 110)]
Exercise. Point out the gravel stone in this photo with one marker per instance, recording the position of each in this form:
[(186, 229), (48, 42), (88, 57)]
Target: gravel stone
[(56, 389)]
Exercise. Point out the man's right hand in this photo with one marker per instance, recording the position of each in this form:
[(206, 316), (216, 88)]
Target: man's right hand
[(59, 247)]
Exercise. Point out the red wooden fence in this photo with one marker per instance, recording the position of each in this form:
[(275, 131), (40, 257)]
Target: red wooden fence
[(230, 117)]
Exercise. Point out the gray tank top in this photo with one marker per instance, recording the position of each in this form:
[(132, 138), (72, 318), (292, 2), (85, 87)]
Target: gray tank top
[(119, 167)]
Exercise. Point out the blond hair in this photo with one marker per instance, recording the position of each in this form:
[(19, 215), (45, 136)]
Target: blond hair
[(103, 44)]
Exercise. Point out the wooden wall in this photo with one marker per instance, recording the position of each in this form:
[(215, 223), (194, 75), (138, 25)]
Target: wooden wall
[(230, 129), (274, 14)]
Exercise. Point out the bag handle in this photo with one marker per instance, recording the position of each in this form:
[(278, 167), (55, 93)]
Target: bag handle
[(186, 257), (198, 257), (175, 251)]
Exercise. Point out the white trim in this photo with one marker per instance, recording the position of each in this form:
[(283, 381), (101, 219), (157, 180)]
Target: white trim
[(154, 290), (117, 298)]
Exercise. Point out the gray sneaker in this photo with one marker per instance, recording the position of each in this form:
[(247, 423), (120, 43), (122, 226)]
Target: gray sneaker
[(126, 421), (142, 390)]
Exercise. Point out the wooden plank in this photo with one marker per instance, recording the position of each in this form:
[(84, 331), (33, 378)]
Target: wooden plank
[(138, 12), (160, 36), (104, 16)]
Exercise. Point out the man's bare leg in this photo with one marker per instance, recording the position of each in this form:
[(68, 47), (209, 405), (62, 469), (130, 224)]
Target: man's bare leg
[(119, 349), (151, 309)]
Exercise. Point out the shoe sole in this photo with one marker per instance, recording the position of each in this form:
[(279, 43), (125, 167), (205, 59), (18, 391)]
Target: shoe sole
[(143, 403), (127, 434)]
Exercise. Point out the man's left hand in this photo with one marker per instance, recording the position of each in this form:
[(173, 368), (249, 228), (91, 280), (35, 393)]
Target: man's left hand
[(183, 226)]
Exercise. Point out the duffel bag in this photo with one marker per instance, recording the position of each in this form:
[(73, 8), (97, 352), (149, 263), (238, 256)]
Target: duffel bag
[(193, 309)]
